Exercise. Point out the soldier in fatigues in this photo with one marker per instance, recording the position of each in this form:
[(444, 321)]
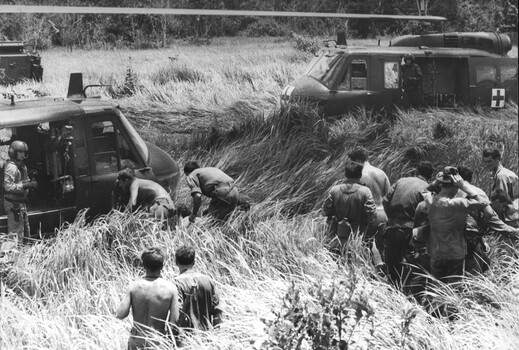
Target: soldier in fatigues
[(16, 185), (400, 205), (215, 184), (349, 208), (411, 82), (199, 307), (378, 183)]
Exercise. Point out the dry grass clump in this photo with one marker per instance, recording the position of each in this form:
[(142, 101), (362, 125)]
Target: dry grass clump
[(274, 269), (173, 73), (295, 157)]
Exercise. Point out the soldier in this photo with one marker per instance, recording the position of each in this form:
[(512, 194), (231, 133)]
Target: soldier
[(143, 192), (502, 205), (502, 178), (400, 205), (153, 300), (479, 223), (197, 292), (349, 208), (16, 185), (215, 184), (447, 214), (411, 82), (378, 183)]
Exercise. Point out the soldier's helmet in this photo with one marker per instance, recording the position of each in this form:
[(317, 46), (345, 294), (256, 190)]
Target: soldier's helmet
[(409, 57), (17, 146)]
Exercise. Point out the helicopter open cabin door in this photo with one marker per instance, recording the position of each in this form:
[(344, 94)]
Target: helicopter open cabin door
[(109, 152), (483, 80), (385, 91)]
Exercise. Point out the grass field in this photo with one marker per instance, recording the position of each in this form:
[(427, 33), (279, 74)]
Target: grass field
[(217, 103)]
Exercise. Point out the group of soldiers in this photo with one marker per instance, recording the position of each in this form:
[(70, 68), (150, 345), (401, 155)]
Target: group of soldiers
[(169, 307), (432, 223), (129, 192), (436, 226), (190, 301)]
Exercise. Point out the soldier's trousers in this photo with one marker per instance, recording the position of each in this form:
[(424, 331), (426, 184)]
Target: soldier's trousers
[(17, 220), (398, 239)]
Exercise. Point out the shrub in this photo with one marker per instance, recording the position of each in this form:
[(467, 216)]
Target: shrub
[(128, 87), (175, 73), (306, 44), (265, 27)]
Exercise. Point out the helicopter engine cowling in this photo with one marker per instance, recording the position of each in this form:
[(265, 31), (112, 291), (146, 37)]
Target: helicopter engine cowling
[(496, 43)]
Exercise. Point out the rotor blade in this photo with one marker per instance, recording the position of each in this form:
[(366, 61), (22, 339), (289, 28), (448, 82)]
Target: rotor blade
[(199, 12)]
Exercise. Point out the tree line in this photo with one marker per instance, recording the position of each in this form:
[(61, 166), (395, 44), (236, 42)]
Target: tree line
[(150, 31)]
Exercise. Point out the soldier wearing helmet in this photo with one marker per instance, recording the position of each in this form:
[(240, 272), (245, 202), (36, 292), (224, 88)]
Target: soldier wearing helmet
[(16, 185), (411, 82)]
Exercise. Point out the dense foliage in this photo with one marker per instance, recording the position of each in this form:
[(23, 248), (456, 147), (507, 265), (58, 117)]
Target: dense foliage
[(150, 31)]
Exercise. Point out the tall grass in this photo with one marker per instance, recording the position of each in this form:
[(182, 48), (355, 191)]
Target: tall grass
[(295, 158), (57, 297)]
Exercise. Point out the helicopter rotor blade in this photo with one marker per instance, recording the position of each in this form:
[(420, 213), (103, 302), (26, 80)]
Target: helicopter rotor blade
[(200, 12)]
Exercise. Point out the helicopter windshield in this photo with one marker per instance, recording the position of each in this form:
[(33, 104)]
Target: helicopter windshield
[(327, 67), (137, 140)]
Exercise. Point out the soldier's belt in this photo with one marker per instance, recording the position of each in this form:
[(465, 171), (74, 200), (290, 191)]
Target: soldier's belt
[(16, 200)]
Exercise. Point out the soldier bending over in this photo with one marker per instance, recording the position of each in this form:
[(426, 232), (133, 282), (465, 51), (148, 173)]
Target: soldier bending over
[(215, 184), (143, 192)]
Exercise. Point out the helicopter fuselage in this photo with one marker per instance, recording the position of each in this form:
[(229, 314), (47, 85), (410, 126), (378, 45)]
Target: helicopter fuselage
[(469, 72)]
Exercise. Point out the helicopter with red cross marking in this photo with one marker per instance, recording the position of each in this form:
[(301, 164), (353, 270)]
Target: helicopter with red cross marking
[(456, 69)]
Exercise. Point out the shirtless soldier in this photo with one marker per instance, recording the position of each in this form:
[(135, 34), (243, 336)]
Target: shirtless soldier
[(143, 192), (151, 299)]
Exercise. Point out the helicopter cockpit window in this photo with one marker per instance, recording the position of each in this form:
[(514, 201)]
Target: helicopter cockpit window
[(111, 149), (486, 73), (128, 158), (104, 147), (327, 67), (508, 72), (391, 73), (355, 76), (359, 74)]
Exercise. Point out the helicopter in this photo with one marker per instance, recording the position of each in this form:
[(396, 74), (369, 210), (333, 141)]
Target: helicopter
[(459, 69), (18, 63), (77, 145)]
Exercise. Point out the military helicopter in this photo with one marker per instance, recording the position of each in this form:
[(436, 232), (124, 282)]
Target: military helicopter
[(77, 145), (18, 63), (459, 69)]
